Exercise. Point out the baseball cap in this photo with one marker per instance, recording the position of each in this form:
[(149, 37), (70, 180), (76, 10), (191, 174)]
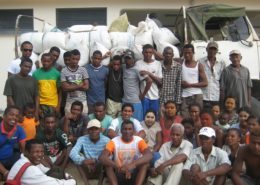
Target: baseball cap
[(130, 54), (94, 123), (212, 44), (237, 52), (207, 131)]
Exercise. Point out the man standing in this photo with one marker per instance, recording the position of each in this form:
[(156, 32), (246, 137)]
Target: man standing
[(250, 155), (171, 82), (153, 69), (213, 68), (21, 89), (55, 54), (193, 79), (26, 49), (207, 164), (131, 157), (236, 81), (91, 146), (168, 169)]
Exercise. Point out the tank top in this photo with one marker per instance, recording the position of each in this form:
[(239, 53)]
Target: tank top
[(190, 75)]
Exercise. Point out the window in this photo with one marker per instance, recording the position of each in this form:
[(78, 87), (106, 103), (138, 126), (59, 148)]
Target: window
[(8, 19), (66, 17), (254, 17)]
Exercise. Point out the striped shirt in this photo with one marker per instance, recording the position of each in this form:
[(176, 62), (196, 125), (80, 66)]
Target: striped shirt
[(86, 149)]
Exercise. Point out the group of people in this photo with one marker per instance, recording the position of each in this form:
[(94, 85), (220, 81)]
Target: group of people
[(157, 121)]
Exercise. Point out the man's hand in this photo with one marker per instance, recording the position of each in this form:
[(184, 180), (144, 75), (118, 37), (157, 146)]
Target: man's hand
[(201, 177), (153, 172), (144, 73), (160, 169), (185, 84)]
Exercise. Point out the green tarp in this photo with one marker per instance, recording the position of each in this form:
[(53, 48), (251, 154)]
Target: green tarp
[(197, 16)]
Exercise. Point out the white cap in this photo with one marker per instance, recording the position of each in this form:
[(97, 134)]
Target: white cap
[(93, 123), (207, 131), (237, 52)]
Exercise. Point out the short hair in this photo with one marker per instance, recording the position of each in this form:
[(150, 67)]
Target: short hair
[(125, 122), (188, 121), (245, 109), (255, 132), (254, 117), (150, 111), (45, 55), (167, 48), (97, 52), (147, 46), (235, 130), (127, 105), (67, 54), (25, 42), (189, 46), (232, 97), (75, 52), (29, 143), (54, 48), (99, 104), (206, 111), (170, 102), (195, 105), (77, 103), (116, 58), (50, 115), (178, 125), (8, 109), (29, 105), (25, 59)]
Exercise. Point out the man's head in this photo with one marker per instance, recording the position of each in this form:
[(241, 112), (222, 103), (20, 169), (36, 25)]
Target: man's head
[(50, 123), (194, 110), (96, 58), (235, 57), (129, 58), (253, 123), (188, 126), (66, 57), (212, 49), (11, 116), (168, 54), (230, 103), (29, 110), (206, 118), (74, 59), (188, 52), (177, 132), (94, 128), (54, 53), (25, 66), (34, 151), (170, 108), (127, 111), (99, 110), (254, 144), (207, 137), (26, 49), (127, 130), (76, 108), (47, 61), (116, 63), (147, 52)]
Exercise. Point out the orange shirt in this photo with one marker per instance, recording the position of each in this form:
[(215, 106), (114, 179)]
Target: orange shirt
[(29, 126)]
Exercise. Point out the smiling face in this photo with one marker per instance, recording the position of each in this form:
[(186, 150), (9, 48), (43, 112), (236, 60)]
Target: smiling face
[(127, 112), (170, 110), (232, 138), (26, 50), (230, 104), (127, 131), (149, 119), (36, 153), (11, 118)]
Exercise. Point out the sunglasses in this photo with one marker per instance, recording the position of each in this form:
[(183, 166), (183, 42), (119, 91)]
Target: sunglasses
[(27, 50)]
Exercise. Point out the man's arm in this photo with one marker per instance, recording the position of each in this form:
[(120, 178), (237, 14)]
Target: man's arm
[(85, 85), (148, 85), (156, 79), (69, 87), (111, 133), (3, 171), (237, 167), (141, 134), (106, 161), (10, 100), (159, 142), (219, 170)]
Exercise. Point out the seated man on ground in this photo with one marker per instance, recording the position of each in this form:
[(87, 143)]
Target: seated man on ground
[(127, 113), (74, 123), (34, 175), (206, 164), (131, 157), (87, 150), (10, 135), (55, 143), (250, 154), (168, 169)]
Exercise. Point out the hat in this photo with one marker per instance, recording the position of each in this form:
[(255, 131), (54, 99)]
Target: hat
[(207, 131), (237, 52), (212, 44), (130, 54), (94, 123)]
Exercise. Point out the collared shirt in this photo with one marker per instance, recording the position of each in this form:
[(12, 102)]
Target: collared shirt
[(216, 157), (86, 149), (171, 83), (212, 91), (167, 151)]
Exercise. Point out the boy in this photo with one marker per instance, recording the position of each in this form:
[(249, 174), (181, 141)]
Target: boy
[(115, 87), (48, 79), (74, 81), (55, 142)]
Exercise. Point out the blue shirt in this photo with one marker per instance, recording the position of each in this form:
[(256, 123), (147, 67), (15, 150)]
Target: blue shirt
[(9, 139), (97, 79), (86, 149)]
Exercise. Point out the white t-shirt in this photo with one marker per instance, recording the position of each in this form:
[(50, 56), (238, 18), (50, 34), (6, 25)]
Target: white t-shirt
[(14, 67), (155, 68)]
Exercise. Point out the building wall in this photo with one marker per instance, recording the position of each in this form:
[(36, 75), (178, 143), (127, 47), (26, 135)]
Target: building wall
[(46, 10)]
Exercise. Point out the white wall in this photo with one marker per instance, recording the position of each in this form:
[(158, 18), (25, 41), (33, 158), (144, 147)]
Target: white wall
[(46, 10)]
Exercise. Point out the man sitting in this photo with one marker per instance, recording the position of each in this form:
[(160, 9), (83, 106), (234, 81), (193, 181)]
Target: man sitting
[(131, 157), (87, 150), (34, 175)]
